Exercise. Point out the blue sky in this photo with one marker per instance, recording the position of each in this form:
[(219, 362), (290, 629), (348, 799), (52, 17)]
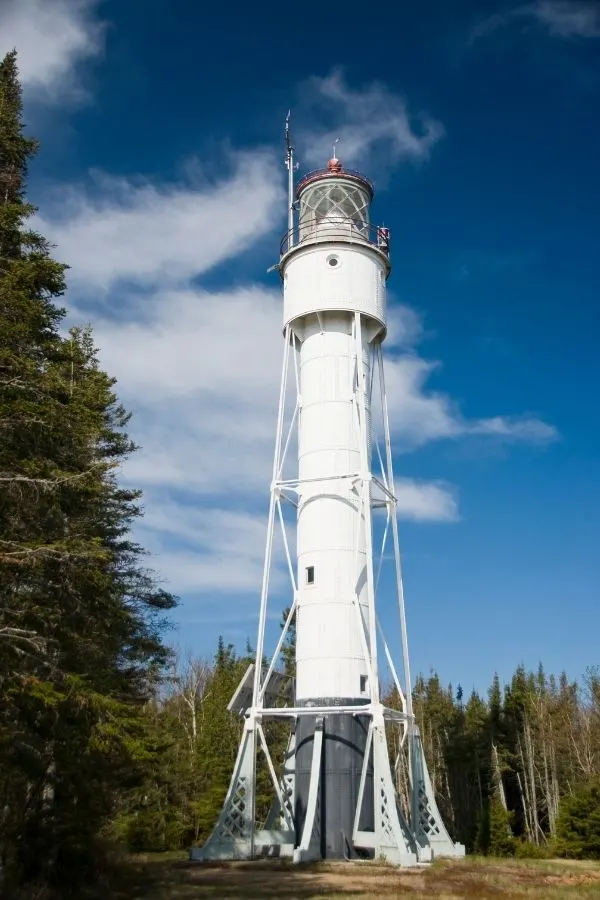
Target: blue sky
[(161, 183)]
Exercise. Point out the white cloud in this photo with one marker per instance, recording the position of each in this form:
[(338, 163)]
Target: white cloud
[(562, 18), (420, 416), (515, 428), (426, 501), (404, 325), (568, 18), (370, 122), (202, 371), (52, 37), (128, 230), (207, 549)]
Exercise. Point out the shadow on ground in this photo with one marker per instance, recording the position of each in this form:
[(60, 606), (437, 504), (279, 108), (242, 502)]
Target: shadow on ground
[(182, 880), (170, 878)]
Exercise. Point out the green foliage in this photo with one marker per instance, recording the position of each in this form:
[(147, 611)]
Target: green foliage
[(194, 742), (528, 850), (494, 834), (578, 827), (80, 618), (501, 840), (288, 651), (220, 736)]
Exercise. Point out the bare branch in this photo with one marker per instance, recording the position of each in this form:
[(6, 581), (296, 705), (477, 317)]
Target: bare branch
[(49, 482)]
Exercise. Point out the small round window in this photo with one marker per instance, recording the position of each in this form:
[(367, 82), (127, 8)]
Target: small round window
[(333, 261)]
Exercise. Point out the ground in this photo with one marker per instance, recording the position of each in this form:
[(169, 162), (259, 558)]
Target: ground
[(172, 877)]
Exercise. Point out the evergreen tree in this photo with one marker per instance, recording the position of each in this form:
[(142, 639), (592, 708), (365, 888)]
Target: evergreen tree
[(494, 836), (220, 736), (288, 651), (578, 831), (80, 618)]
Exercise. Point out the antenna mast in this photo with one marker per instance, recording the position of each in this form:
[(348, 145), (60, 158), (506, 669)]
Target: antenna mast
[(289, 163)]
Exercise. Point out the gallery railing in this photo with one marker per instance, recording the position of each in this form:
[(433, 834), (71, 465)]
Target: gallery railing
[(336, 229)]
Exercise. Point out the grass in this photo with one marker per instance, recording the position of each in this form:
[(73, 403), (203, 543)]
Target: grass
[(172, 877)]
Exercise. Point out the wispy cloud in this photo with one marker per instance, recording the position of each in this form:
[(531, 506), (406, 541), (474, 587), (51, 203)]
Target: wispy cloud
[(568, 18), (420, 415), (374, 124), (131, 230), (208, 549), (424, 501), (562, 18), (489, 25), (52, 37)]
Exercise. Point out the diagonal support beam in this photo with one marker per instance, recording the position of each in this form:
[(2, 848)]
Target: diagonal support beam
[(363, 779), (286, 548), (365, 464), (283, 806), (276, 654), (260, 642), (310, 833)]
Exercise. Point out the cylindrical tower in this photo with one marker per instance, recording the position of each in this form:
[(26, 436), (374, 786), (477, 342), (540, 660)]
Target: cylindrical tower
[(334, 267)]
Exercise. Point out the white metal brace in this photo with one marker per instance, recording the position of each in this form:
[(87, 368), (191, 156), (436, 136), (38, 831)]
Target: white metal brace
[(310, 842)]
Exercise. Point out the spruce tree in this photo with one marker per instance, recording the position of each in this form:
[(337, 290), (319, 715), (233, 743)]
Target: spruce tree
[(578, 831), (80, 617)]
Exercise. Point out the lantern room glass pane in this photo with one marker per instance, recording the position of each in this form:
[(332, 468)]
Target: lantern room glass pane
[(334, 206)]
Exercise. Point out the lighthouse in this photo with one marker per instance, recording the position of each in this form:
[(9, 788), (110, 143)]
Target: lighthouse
[(337, 794)]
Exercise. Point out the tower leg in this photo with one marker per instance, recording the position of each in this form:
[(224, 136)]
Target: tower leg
[(428, 825), (233, 835), (393, 839)]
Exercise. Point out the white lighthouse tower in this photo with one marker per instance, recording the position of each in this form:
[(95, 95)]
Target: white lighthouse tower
[(337, 794)]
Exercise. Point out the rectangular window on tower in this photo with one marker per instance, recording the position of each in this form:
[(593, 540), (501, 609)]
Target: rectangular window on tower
[(310, 574), (364, 682)]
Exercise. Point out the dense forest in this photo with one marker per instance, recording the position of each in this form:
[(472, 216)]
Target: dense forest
[(107, 737)]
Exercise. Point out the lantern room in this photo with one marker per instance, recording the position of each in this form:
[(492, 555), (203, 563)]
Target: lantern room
[(333, 201)]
